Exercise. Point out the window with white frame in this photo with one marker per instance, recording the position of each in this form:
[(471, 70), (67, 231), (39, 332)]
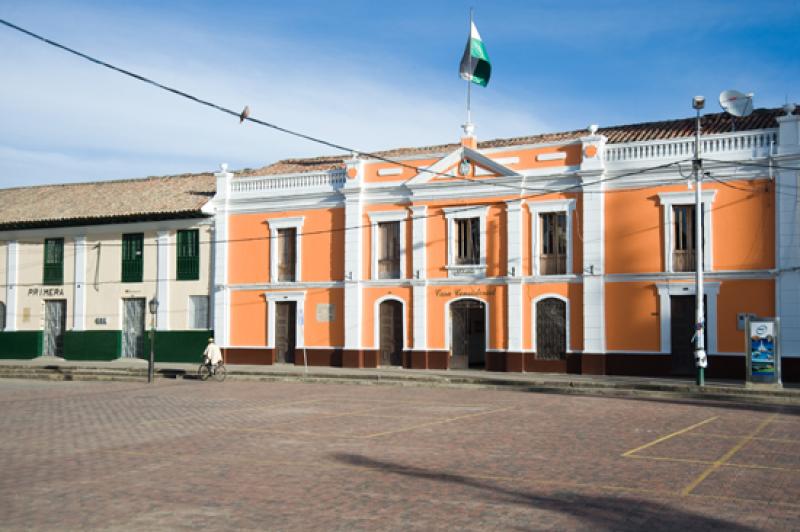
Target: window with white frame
[(551, 236), (284, 250), (466, 240), (198, 312), (680, 246), (388, 244)]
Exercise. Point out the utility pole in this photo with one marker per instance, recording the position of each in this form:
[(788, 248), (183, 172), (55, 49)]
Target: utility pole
[(700, 358)]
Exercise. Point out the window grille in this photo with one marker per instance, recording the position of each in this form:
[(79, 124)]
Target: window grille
[(684, 249)]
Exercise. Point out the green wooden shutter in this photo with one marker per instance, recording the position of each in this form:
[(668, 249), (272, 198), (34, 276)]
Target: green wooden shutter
[(188, 267), (132, 257), (53, 261)]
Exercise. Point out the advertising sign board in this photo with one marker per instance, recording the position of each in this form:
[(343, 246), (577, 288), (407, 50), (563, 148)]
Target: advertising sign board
[(762, 351)]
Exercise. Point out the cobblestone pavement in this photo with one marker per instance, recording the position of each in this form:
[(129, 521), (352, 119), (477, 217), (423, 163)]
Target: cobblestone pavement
[(291, 456)]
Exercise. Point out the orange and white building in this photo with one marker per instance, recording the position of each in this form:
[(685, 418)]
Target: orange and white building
[(570, 252)]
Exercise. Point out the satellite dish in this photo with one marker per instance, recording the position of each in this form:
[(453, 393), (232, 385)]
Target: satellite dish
[(736, 104)]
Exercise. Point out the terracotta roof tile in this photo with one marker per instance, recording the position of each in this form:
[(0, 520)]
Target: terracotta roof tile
[(667, 129), (106, 201)]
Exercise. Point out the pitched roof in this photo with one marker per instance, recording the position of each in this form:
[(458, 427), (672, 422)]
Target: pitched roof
[(152, 198), (713, 123)]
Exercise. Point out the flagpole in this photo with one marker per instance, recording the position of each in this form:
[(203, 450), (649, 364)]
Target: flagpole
[(468, 126)]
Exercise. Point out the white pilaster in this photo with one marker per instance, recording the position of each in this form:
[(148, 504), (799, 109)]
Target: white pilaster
[(79, 302), (353, 255), (514, 237), (420, 310), (514, 315), (220, 295), (592, 170), (787, 232), (12, 259), (419, 224), (162, 283)]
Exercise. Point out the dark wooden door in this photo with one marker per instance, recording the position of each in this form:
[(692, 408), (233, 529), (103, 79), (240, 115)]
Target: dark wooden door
[(391, 333), (551, 329), (682, 334), (468, 334), (285, 331)]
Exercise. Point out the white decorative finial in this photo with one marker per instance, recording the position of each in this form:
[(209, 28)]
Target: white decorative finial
[(789, 108), (223, 167), (593, 128)]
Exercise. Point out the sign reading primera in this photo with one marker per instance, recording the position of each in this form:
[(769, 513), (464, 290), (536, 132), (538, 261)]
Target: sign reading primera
[(464, 292), (46, 292)]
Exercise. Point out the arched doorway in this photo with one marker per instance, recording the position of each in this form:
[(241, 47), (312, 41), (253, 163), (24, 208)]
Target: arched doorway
[(391, 333), (467, 334), (551, 329)]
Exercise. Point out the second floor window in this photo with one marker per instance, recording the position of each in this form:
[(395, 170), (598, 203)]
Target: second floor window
[(553, 258), (287, 254), (53, 261), (468, 241), (132, 257), (389, 250), (684, 252), (188, 255)]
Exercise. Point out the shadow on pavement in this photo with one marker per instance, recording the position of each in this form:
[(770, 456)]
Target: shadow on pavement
[(611, 513), (793, 410)]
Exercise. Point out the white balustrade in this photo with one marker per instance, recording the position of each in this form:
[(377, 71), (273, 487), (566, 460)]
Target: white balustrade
[(755, 143), (294, 183)]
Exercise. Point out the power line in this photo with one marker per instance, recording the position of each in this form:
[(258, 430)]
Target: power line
[(750, 163)]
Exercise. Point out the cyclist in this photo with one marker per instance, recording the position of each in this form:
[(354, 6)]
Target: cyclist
[(212, 355)]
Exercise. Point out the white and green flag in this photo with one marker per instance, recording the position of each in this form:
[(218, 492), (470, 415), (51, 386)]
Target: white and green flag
[(475, 66)]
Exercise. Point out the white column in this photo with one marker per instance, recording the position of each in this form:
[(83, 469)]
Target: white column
[(787, 232), (514, 273), (12, 258), (353, 259), (79, 303), (594, 312), (162, 285), (220, 296), (419, 223)]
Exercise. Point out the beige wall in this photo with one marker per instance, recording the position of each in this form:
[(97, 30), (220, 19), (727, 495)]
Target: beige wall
[(104, 291)]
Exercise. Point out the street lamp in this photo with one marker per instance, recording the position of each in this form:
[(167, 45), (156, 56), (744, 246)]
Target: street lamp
[(151, 362), (700, 359)]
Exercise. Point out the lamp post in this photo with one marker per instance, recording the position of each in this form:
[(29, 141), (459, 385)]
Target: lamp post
[(700, 359), (151, 362)]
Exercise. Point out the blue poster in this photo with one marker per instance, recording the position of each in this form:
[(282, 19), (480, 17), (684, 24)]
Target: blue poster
[(762, 348)]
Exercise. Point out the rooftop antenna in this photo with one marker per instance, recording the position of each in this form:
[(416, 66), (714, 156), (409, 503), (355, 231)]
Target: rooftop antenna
[(736, 104)]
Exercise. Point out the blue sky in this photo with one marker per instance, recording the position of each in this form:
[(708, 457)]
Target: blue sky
[(371, 75)]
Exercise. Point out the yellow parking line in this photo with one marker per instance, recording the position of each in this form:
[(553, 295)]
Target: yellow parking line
[(727, 456), (668, 436)]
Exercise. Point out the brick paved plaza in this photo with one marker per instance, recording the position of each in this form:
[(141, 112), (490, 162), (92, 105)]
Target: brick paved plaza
[(291, 456)]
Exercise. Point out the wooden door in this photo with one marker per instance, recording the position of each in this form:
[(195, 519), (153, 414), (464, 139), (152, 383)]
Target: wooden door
[(285, 331), (551, 329), (133, 328), (391, 333), (55, 321), (682, 334), (468, 334)]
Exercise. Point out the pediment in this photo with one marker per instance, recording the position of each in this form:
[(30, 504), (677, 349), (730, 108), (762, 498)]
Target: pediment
[(446, 168)]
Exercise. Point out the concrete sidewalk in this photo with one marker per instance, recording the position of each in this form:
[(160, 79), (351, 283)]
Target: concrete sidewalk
[(685, 388)]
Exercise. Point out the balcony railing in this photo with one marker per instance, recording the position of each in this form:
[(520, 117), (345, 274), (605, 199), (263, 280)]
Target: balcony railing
[(754, 143)]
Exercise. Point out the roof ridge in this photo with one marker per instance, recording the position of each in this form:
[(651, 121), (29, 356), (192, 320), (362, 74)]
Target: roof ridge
[(109, 181)]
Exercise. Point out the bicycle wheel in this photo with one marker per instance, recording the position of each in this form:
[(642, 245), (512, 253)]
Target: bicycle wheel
[(203, 372), (220, 373)]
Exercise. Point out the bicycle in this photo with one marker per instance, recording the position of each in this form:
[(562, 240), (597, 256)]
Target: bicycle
[(206, 370)]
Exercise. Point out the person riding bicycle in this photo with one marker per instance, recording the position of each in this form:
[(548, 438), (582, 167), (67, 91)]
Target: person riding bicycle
[(212, 356)]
